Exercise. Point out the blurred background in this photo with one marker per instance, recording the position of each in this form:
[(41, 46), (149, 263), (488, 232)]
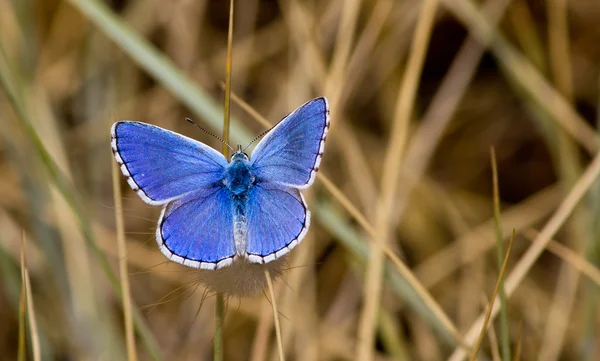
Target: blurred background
[(420, 91)]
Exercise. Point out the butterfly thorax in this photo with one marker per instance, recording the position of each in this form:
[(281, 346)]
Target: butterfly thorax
[(237, 177)]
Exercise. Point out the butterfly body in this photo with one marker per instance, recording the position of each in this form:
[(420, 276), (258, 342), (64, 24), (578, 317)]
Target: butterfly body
[(216, 211), (239, 180)]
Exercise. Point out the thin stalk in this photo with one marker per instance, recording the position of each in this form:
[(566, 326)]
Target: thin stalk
[(33, 327), (122, 249), (504, 329), (226, 114), (22, 353), (220, 306), (488, 313), (275, 316), (30, 313)]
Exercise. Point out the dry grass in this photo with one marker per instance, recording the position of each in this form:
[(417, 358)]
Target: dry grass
[(401, 247)]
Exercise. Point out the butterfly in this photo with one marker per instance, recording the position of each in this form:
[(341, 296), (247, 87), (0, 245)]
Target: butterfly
[(215, 211)]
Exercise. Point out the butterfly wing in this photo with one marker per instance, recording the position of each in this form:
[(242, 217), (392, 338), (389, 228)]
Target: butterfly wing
[(161, 165), (277, 220), (291, 152), (196, 230)]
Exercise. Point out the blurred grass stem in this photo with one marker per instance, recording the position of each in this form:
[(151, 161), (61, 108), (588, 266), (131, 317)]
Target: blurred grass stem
[(220, 305), (123, 274), (390, 178), (275, 316), (33, 327)]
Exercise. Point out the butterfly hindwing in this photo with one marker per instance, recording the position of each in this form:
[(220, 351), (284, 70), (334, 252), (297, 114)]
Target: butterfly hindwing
[(161, 165), (197, 229), (277, 220), (291, 152)]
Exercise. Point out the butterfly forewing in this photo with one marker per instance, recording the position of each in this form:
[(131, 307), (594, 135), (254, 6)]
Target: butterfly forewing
[(161, 165), (291, 152)]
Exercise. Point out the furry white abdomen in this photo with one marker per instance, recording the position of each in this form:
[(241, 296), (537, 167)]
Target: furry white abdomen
[(240, 233)]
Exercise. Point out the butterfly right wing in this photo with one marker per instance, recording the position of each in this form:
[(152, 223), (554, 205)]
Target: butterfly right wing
[(196, 230), (161, 165)]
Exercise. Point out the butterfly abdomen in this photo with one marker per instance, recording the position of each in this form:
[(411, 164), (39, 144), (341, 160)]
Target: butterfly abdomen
[(240, 222)]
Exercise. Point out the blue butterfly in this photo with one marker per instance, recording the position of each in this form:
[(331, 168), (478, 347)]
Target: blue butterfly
[(216, 211)]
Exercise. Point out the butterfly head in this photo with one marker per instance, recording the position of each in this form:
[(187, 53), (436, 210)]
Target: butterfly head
[(239, 155)]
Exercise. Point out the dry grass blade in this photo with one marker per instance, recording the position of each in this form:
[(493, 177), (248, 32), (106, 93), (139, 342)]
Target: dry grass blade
[(568, 160), (569, 256), (530, 257), (390, 178), (350, 12), (27, 311), (275, 316), (122, 257), (488, 312), (33, 327)]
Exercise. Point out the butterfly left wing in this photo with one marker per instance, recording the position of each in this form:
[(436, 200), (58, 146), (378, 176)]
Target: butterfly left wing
[(161, 165), (277, 220), (290, 154), (196, 230)]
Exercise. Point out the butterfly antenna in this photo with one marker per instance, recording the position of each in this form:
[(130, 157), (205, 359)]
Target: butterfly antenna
[(258, 137), (211, 134)]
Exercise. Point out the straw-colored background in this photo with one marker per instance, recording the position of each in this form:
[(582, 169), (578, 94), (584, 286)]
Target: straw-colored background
[(419, 92)]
